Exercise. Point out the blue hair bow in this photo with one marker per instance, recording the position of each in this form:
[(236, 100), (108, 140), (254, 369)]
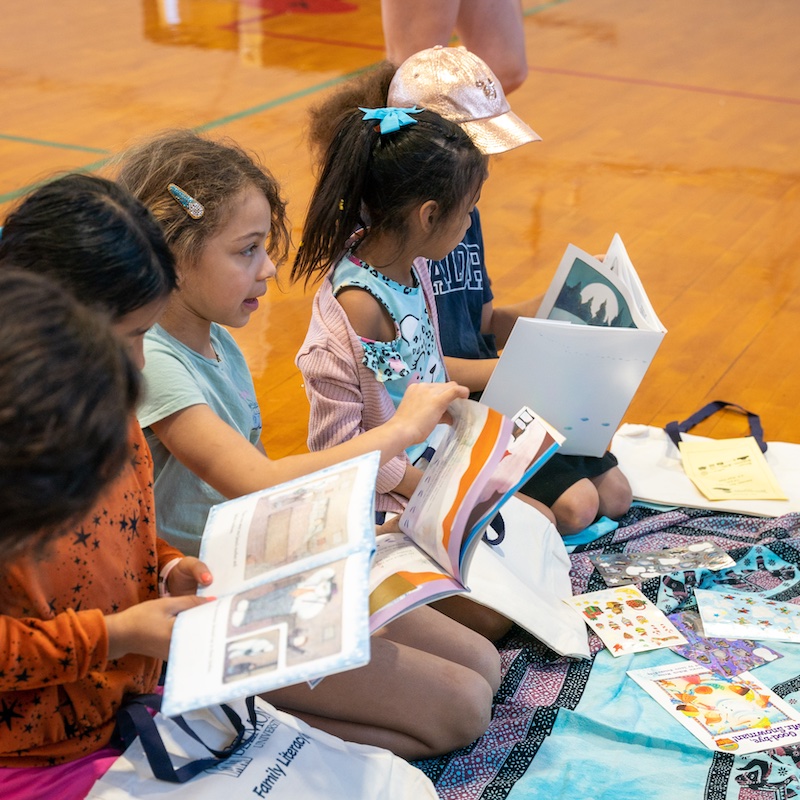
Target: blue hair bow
[(392, 119)]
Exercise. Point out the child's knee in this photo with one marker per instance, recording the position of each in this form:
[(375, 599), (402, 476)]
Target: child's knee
[(618, 505), (615, 496), (488, 662), (488, 623), (477, 713), (577, 508), (468, 713), (495, 626)]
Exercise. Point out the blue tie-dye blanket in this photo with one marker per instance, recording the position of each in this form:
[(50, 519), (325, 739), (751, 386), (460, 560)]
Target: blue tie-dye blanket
[(582, 730)]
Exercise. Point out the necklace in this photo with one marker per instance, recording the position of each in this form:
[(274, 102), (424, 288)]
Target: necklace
[(215, 354)]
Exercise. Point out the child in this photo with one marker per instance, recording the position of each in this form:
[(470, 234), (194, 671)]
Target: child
[(373, 335), (200, 405), (82, 623), (571, 490), (373, 332), (110, 252), (429, 684), (66, 392)]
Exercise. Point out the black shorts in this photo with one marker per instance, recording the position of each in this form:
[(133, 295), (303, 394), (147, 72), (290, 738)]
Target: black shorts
[(560, 472)]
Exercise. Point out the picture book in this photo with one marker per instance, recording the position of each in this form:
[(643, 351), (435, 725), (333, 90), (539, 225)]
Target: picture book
[(625, 620), (745, 614), (621, 568), (291, 571), (730, 715), (580, 361), (729, 657), (438, 548)]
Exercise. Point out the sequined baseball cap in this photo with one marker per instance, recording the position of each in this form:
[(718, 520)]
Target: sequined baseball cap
[(459, 86)]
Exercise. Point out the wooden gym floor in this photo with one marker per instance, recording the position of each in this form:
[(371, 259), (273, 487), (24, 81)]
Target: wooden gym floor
[(674, 123)]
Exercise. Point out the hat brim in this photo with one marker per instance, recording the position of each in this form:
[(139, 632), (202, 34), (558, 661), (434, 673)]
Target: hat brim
[(498, 134)]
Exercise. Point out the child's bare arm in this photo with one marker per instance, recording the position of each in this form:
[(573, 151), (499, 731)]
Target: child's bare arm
[(226, 460), (474, 373), (500, 320)]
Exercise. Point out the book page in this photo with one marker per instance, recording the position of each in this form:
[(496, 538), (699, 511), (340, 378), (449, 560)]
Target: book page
[(729, 715), (287, 631), (296, 622), (587, 291), (619, 263), (271, 531), (402, 578), (438, 511), (533, 441)]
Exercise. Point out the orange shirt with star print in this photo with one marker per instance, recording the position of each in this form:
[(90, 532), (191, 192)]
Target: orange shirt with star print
[(59, 693)]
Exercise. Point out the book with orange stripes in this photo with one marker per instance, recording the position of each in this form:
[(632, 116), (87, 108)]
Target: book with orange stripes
[(424, 555)]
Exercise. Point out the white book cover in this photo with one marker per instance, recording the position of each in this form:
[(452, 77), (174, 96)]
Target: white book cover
[(580, 361), (730, 715)]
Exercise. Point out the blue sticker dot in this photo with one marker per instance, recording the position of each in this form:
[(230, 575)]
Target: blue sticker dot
[(584, 419)]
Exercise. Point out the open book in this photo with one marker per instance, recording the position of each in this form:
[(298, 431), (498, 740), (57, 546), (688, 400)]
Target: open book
[(581, 360), (291, 568), (439, 551)]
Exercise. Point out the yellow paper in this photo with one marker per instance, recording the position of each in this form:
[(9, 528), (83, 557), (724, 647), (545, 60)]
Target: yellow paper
[(730, 469)]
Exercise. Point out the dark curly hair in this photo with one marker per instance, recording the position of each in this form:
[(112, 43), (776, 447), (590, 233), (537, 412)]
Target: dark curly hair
[(67, 395), (93, 237)]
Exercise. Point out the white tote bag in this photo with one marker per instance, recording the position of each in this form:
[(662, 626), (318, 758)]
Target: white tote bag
[(285, 760), (652, 465)]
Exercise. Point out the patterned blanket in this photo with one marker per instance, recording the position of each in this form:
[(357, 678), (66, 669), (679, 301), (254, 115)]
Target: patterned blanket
[(566, 729)]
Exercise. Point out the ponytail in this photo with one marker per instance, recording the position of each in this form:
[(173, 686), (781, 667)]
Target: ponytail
[(372, 179), (335, 210)]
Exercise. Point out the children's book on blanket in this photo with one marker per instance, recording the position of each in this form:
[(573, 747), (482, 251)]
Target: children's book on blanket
[(580, 361), (291, 570), (451, 539), (728, 714)]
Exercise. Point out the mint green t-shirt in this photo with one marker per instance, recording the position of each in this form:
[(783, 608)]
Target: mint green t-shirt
[(175, 378)]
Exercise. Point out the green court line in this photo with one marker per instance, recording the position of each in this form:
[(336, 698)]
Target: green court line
[(280, 101), (248, 112), (543, 7), (23, 190), (59, 145)]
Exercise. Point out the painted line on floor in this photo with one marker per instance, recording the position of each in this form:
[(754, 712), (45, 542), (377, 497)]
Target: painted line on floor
[(681, 87), (59, 145)]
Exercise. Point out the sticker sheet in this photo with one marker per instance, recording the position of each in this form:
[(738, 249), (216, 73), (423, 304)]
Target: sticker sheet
[(619, 569), (625, 620), (728, 657), (753, 616)]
